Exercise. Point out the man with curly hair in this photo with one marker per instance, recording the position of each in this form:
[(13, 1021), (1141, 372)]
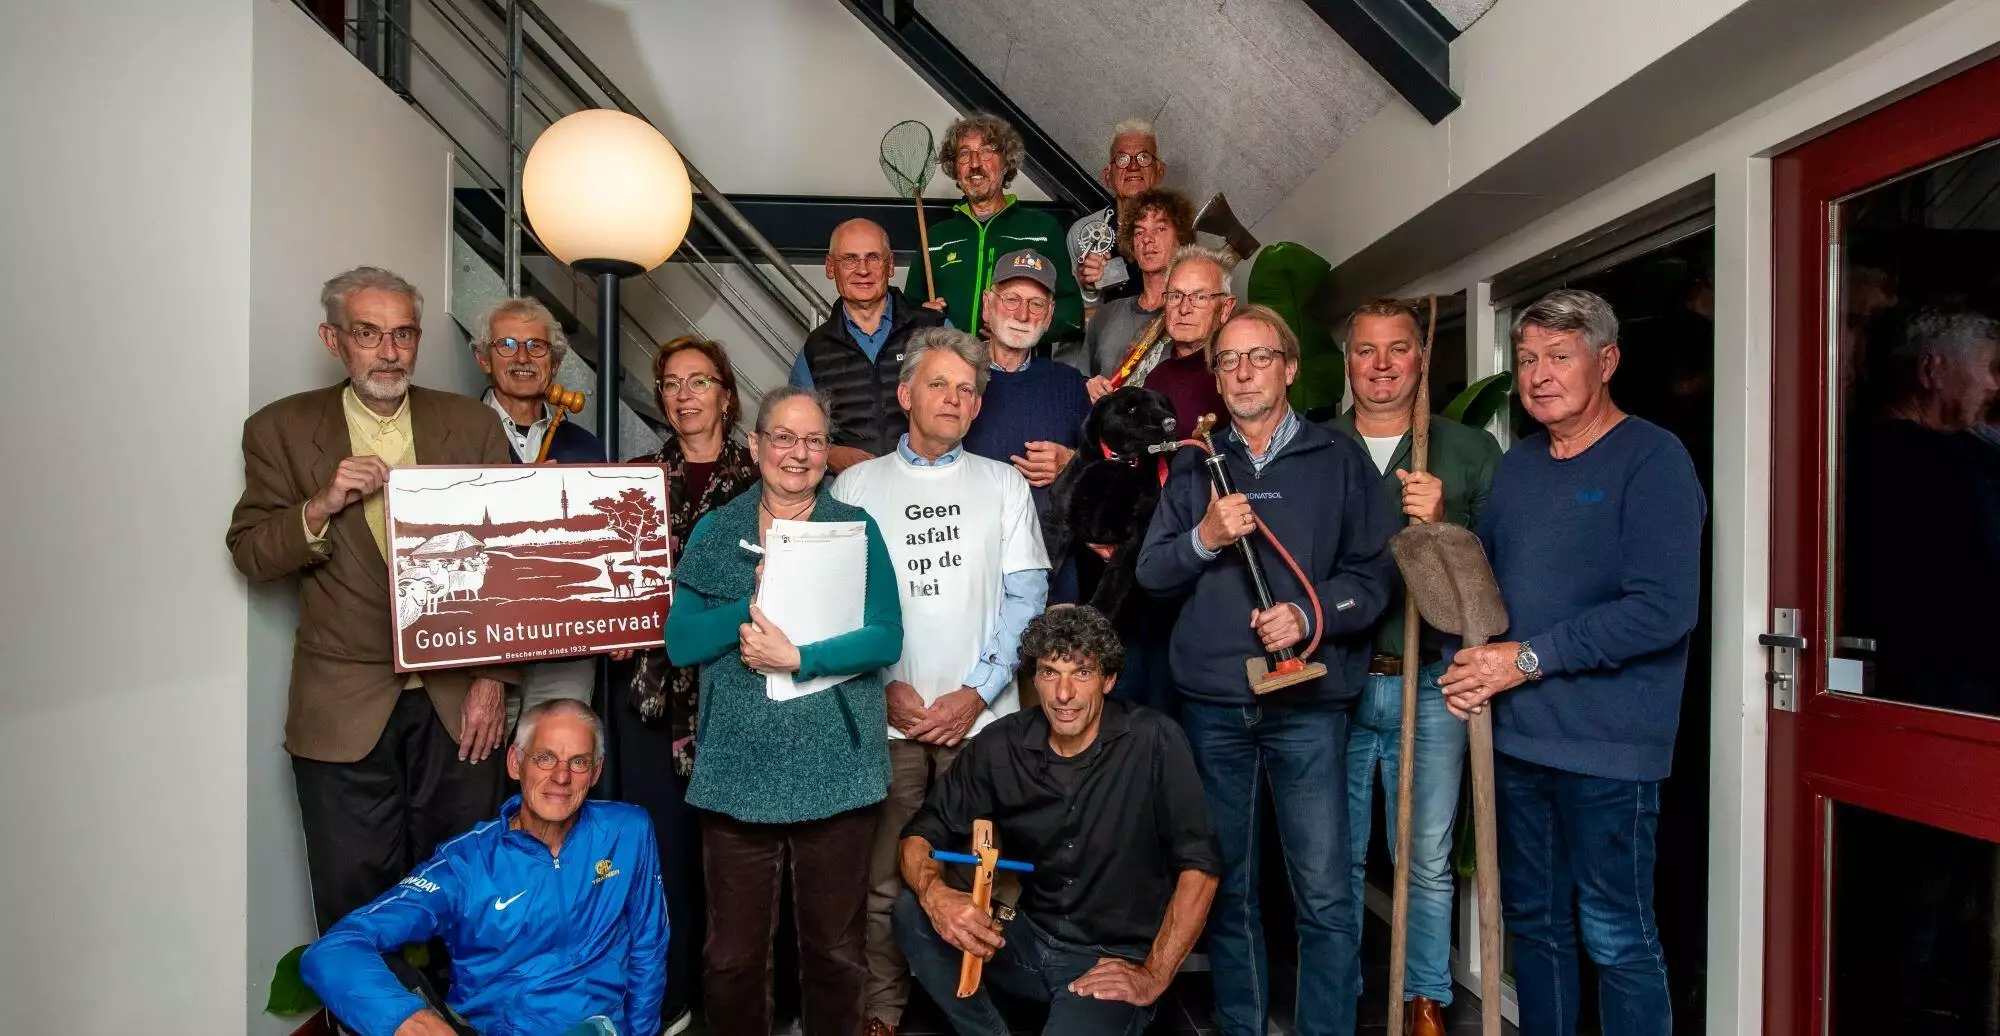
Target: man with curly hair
[(982, 154), (1103, 798), (1157, 223)]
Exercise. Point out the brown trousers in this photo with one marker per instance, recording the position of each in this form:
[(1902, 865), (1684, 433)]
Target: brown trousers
[(913, 767), (743, 867)]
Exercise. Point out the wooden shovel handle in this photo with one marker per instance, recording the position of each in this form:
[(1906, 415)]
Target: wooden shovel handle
[(1486, 854)]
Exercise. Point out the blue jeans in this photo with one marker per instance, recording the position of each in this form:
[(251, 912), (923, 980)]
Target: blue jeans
[(1301, 751), (1033, 965), (1376, 738), (1574, 847)]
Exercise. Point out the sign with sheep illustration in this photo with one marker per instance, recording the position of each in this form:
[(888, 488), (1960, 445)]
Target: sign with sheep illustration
[(518, 563)]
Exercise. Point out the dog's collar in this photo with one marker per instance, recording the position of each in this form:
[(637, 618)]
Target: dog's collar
[(1133, 462)]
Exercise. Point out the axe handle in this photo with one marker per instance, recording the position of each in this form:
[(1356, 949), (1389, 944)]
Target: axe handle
[(1399, 911), (1486, 854)]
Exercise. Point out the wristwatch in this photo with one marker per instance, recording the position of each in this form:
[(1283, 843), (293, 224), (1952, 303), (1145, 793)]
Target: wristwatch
[(1529, 663)]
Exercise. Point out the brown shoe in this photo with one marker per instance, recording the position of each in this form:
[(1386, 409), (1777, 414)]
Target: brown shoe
[(878, 1027), (1426, 1017)]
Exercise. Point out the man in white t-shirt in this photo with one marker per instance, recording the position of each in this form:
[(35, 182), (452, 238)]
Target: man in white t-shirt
[(968, 551)]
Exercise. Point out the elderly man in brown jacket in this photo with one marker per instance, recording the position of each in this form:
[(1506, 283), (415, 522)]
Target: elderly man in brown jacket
[(387, 765)]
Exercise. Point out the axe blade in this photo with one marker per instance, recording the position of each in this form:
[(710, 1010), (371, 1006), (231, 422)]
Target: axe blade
[(1445, 569)]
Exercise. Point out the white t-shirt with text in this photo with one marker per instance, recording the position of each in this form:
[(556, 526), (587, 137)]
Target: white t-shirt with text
[(953, 532)]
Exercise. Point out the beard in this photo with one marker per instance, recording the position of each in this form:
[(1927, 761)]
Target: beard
[(372, 389), (1016, 335), (1249, 409)]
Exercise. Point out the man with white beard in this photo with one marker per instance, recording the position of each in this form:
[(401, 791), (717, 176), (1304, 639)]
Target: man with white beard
[(1032, 413)]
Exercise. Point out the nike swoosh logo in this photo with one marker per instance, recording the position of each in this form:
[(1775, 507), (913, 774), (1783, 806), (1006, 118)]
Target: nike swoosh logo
[(502, 904)]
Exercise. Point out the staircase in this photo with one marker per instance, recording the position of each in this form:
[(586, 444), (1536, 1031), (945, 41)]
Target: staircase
[(490, 75)]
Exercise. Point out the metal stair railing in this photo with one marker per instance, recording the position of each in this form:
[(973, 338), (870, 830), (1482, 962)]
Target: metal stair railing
[(391, 22)]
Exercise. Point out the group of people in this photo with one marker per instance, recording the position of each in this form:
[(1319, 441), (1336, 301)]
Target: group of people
[(975, 687)]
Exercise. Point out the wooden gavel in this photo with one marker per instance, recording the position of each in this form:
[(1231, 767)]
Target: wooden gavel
[(566, 402)]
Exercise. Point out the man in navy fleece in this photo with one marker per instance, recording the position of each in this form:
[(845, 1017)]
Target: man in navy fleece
[(1594, 528), (1315, 489)]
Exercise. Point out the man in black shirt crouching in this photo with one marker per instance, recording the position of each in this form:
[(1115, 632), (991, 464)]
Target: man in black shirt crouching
[(1103, 798)]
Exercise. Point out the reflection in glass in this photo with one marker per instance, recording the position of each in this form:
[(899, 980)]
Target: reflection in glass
[(1913, 929), (1919, 363)]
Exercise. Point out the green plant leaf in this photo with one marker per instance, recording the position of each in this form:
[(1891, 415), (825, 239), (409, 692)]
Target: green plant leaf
[(290, 996), (1481, 400), (1285, 276)]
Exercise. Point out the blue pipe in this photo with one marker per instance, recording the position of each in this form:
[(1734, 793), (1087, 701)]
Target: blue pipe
[(971, 860)]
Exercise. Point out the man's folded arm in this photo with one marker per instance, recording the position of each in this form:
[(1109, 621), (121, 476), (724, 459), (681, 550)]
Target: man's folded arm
[(345, 966)]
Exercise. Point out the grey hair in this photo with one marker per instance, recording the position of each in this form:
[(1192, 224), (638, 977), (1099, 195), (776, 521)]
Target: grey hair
[(1136, 125), (956, 342), (531, 310), (524, 729), (992, 129), (1570, 309), (333, 295), (784, 393), (1224, 260), (1899, 338)]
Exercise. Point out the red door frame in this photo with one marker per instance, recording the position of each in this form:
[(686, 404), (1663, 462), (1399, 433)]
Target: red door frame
[(1932, 767)]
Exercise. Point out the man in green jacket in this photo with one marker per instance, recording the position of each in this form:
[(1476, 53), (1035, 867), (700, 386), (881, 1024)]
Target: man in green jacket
[(1384, 352), (982, 153)]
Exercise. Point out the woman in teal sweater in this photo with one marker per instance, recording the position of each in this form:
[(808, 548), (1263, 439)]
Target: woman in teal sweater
[(799, 776)]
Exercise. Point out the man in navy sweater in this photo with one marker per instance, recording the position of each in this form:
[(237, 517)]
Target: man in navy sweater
[(1031, 414), (1316, 491), (1594, 529)]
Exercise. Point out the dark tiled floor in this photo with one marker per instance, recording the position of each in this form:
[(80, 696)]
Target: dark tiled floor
[(1188, 1007)]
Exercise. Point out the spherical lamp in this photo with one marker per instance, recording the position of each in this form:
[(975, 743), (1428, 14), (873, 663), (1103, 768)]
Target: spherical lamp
[(605, 193)]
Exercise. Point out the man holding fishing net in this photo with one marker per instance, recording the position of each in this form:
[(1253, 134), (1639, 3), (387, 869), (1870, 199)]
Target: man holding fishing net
[(982, 154)]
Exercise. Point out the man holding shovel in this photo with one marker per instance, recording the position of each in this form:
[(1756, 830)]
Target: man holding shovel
[(1385, 344), (1594, 531)]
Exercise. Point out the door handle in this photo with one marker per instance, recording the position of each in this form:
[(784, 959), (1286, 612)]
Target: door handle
[(1785, 644)]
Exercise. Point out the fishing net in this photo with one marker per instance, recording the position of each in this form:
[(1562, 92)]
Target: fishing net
[(907, 159)]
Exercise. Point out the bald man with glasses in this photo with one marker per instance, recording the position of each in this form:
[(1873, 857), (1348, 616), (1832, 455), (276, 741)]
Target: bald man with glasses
[(856, 357)]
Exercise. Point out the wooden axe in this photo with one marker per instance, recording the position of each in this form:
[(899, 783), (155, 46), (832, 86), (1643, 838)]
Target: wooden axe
[(1445, 571)]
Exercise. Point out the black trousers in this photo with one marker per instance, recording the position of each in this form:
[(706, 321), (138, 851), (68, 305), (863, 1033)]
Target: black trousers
[(643, 757), (370, 823)]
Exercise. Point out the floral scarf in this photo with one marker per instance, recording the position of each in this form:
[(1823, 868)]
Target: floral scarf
[(659, 689)]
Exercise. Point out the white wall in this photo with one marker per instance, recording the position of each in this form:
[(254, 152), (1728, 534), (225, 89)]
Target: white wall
[(1736, 154), (1521, 69), (345, 174), (124, 207)]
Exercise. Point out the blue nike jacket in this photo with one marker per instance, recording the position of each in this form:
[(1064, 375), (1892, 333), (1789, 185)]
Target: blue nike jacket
[(538, 941)]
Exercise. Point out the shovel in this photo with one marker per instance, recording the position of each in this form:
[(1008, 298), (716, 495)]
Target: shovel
[(1446, 572)]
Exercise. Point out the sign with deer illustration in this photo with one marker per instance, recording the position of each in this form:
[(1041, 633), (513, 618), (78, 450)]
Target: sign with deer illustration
[(517, 563)]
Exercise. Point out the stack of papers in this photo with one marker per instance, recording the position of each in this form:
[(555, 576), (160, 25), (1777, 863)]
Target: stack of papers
[(815, 583)]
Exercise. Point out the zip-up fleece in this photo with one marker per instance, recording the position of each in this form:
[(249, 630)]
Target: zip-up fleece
[(539, 941), (963, 251), (1318, 496)]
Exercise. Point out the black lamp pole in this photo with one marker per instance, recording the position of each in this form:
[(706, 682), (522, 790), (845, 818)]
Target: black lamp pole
[(608, 273)]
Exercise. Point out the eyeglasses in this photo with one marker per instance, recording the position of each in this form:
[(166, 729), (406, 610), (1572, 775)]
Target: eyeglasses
[(1124, 159), (371, 336), (1013, 303), (1260, 358), (697, 384), (546, 761), (966, 154), (851, 261), (783, 441), (1197, 299), (537, 347)]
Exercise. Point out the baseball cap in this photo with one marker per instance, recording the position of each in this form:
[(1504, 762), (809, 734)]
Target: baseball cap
[(1025, 262)]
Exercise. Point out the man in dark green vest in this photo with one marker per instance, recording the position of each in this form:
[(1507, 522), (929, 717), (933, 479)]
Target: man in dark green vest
[(1384, 354), (982, 154)]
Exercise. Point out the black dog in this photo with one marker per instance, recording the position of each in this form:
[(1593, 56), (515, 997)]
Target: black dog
[(1100, 505)]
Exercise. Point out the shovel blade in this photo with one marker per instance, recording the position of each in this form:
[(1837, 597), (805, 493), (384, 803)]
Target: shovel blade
[(1445, 569)]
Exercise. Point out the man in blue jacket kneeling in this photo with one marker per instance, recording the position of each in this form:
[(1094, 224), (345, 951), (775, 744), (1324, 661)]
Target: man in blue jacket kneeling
[(552, 912)]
